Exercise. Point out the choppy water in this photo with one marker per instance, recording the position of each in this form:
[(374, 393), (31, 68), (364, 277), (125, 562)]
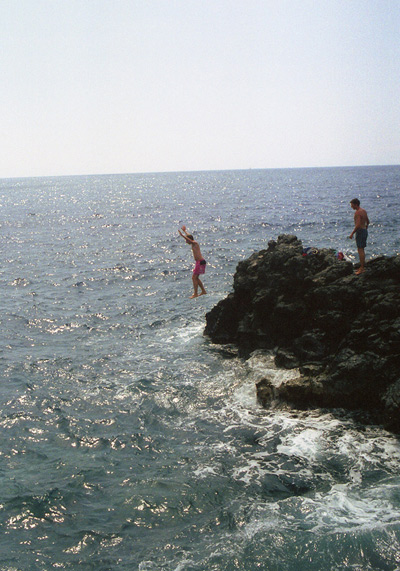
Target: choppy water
[(128, 440)]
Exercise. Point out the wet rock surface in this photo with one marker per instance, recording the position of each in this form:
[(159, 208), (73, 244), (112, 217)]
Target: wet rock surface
[(342, 331)]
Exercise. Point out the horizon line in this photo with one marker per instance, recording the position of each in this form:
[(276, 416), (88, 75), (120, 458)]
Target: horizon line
[(197, 171)]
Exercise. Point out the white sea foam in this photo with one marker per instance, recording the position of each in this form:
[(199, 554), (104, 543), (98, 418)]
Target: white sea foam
[(345, 508), (245, 395), (184, 335), (183, 565), (306, 444), (204, 472), (261, 364)]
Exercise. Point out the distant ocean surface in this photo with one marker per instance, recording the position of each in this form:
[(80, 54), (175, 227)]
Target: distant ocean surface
[(128, 440)]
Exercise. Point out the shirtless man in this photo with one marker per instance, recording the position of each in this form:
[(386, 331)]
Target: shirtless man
[(361, 222), (200, 263)]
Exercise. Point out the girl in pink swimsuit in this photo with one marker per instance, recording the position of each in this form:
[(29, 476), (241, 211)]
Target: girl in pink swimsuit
[(200, 264)]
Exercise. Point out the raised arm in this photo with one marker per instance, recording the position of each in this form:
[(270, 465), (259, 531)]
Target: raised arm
[(186, 236)]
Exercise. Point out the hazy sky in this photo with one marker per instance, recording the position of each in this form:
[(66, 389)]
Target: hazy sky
[(115, 86)]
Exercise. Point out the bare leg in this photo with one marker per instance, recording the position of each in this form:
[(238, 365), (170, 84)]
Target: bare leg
[(195, 280), (196, 283), (361, 253), (203, 291)]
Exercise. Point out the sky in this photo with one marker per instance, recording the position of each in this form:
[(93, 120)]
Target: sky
[(126, 86)]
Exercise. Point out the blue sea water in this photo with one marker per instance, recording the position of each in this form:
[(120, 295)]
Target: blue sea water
[(128, 440)]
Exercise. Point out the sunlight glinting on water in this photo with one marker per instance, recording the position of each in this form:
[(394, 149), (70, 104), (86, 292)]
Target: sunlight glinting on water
[(130, 440)]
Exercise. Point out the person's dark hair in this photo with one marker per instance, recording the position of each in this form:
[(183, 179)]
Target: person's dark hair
[(355, 201), (190, 236)]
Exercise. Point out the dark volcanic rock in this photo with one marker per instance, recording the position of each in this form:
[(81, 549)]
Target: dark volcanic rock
[(341, 330)]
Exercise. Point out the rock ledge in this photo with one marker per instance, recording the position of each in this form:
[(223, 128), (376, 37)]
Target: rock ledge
[(341, 330)]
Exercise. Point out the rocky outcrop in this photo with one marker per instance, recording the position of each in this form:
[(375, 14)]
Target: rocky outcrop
[(340, 330)]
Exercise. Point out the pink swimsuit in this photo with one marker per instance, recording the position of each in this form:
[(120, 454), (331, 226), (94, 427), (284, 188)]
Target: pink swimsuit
[(200, 267)]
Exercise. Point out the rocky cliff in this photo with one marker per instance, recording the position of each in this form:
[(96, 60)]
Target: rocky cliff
[(340, 330)]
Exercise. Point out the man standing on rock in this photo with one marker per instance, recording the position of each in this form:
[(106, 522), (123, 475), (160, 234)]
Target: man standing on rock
[(361, 222)]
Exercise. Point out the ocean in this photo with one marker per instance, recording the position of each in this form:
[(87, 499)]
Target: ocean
[(131, 442)]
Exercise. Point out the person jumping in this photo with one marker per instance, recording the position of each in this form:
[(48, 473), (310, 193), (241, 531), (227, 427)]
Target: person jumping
[(200, 263)]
